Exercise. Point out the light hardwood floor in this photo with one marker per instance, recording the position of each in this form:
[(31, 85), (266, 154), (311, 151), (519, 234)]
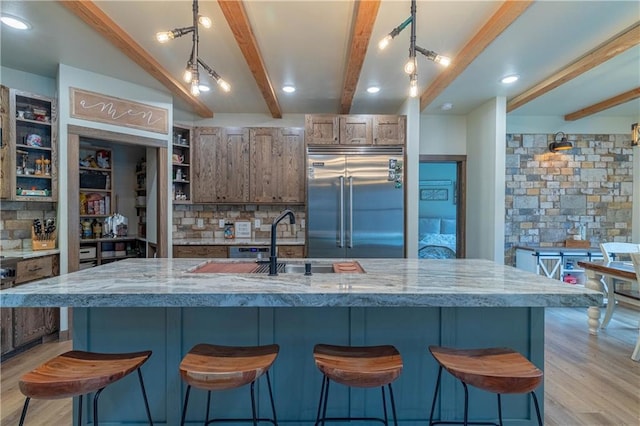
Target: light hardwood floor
[(589, 381)]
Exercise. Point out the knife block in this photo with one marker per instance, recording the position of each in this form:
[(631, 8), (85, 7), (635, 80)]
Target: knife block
[(38, 244)]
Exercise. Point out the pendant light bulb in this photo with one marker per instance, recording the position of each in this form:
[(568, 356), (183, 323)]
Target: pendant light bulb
[(165, 36), (413, 86), (385, 42), (410, 66), (187, 75), (205, 21), (224, 85), (442, 60), (195, 87)]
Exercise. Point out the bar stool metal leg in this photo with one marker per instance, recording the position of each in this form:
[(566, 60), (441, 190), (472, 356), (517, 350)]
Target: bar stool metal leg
[(206, 417), (273, 405), (499, 409), (393, 405), (324, 379), (384, 407), (186, 402), (24, 410), (144, 396), (435, 396), (253, 404), (535, 402), (95, 406)]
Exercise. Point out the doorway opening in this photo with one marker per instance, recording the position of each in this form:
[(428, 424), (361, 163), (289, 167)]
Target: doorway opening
[(441, 222)]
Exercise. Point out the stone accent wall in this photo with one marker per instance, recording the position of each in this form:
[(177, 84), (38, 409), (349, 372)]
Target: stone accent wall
[(185, 220), (16, 219), (549, 195)]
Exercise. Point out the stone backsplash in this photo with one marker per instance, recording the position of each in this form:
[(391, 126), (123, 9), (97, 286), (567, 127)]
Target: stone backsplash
[(550, 195), (187, 219), (16, 219)]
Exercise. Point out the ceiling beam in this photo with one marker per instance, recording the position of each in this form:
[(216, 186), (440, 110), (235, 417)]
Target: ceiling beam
[(93, 16), (606, 104), (606, 51), (508, 12), (366, 13), (236, 17)]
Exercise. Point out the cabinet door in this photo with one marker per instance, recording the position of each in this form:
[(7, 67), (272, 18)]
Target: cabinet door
[(291, 251), (28, 325), (200, 251), (221, 165), (277, 165), (321, 129), (389, 129), (6, 330), (356, 130)]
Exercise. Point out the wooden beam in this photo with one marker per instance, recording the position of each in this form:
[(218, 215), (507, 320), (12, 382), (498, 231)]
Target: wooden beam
[(606, 104), (500, 21), (236, 17), (606, 51), (366, 13), (93, 16)]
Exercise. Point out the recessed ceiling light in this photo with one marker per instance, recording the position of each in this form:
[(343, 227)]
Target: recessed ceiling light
[(510, 79), (373, 89), (14, 22), (289, 89), (446, 106)]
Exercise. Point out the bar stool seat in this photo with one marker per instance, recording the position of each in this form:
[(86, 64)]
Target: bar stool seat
[(496, 370), (76, 373), (357, 366), (215, 367)]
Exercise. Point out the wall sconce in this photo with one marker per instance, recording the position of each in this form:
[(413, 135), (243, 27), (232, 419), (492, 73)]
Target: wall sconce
[(560, 145)]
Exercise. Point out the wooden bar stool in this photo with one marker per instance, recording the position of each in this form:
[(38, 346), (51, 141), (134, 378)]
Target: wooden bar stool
[(497, 370), (214, 367), (357, 366), (76, 373)]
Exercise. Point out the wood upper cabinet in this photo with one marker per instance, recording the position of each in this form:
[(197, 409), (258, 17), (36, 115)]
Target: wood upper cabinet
[(355, 130), (389, 129), (220, 165), (277, 165), (324, 129)]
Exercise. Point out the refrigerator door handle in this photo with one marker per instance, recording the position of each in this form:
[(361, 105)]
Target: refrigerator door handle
[(350, 212), (341, 225)]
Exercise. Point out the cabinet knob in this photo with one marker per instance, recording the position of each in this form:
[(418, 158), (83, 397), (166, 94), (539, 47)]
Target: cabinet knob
[(335, 139)]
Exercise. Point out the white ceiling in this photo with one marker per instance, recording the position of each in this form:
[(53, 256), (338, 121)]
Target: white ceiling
[(305, 43)]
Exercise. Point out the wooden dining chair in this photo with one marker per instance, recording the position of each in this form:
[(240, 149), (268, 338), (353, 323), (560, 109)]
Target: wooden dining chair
[(635, 258), (614, 252)]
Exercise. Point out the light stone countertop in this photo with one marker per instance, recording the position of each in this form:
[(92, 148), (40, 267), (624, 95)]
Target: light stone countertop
[(386, 283), (27, 253), (236, 241)]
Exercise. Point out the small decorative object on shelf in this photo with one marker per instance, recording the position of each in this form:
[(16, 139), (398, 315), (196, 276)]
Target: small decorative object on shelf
[(43, 236)]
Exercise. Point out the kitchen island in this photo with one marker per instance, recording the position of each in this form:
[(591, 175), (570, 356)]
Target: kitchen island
[(159, 304)]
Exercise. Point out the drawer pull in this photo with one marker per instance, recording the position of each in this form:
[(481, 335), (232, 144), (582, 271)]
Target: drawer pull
[(37, 268)]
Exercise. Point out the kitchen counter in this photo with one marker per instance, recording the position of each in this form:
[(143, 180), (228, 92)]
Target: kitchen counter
[(158, 305), (236, 241), (386, 282), (26, 253)]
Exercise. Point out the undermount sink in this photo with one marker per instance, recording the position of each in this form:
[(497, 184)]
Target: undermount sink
[(315, 269)]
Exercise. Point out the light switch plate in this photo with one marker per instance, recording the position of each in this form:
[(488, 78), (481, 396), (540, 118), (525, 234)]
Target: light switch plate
[(221, 223), (257, 223)]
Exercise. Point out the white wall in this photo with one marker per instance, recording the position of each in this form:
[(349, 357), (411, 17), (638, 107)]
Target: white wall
[(443, 134), (411, 108), (486, 128), (28, 82), (240, 120), (553, 124)]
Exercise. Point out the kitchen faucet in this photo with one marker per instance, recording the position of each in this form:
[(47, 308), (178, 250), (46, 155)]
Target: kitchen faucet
[(273, 259)]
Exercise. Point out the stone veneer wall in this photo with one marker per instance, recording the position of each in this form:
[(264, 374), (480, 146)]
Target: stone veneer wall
[(185, 220), (16, 219), (549, 195)]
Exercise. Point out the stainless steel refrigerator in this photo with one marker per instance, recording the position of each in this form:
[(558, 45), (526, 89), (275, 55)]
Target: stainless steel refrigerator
[(355, 202)]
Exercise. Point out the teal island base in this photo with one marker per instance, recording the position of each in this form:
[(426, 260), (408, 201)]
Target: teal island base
[(171, 332)]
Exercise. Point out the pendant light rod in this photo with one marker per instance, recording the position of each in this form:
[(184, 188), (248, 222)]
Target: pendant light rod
[(191, 73)]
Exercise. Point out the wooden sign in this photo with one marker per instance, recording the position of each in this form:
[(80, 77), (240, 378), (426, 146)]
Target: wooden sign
[(120, 112)]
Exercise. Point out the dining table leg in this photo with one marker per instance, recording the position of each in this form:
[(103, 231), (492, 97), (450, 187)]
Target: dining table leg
[(593, 312)]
